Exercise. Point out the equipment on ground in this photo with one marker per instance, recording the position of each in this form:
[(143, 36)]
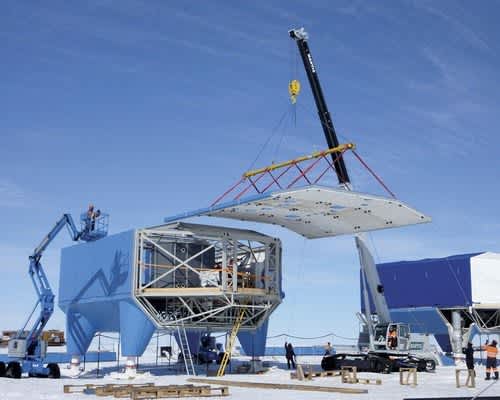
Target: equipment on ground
[(387, 339), (28, 347), (209, 350)]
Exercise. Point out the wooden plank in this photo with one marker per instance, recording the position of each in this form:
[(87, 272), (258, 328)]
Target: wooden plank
[(283, 386), (162, 292)]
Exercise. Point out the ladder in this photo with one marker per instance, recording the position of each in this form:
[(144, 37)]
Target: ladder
[(230, 344), (186, 352)]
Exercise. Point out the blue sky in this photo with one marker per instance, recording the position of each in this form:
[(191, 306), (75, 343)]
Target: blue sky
[(151, 108)]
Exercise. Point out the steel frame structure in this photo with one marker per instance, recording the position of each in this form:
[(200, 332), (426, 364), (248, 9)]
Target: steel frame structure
[(486, 319), (246, 273)]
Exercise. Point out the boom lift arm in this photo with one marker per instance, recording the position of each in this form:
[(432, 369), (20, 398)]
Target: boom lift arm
[(42, 286), (27, 350)]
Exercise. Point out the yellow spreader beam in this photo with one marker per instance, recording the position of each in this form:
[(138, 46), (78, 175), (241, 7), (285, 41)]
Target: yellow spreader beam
[(339, 149)]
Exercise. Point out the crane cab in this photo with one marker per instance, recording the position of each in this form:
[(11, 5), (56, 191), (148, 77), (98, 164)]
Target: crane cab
[(392, 337)]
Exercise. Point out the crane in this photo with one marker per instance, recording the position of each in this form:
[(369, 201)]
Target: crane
[(300, 36), (381, 332), (27, 349)]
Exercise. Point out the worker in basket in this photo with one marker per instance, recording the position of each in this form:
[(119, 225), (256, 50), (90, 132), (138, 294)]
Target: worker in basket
[(392, 340), (92, 216), (491, 359)]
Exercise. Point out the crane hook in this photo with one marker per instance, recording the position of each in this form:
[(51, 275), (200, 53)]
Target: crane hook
[(294, 90)]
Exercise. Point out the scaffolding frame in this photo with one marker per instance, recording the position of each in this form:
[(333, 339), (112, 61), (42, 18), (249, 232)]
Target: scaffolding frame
[(246, 275)]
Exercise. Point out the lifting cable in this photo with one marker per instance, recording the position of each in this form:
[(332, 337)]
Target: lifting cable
[(363, 163), (294, 88), (266, 143)]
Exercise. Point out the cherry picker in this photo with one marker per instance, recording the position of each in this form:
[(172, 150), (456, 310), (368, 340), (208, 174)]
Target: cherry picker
[(27, 349)]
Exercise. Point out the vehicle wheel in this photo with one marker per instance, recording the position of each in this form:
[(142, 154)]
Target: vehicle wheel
[(374, 366), (13, 370), (2, 369), (386, 368), (54, 371), (430, 365)]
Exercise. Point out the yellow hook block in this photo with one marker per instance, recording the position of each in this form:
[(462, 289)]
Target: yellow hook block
[(294, 90)]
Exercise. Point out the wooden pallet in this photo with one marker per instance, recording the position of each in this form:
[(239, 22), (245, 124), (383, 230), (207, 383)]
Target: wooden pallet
[(316, 374), (406, 374), (350, 375), (92, 386), (162, 392), (148, 391), (471, 378)]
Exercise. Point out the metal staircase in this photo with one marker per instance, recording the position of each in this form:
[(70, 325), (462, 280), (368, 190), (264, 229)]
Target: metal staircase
[(230, 345), (186, 352)]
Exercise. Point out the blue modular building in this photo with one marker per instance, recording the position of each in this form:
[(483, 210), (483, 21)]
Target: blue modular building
[(425, 293), (198, 276)]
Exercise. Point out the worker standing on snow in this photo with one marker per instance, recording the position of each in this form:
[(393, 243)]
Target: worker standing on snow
[(328, 349), (469, 357), (491, 359), (290, 355)]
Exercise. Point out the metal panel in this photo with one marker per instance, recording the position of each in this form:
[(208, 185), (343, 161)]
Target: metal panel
[(97, 270), (316, 211), (485, 279), (95, 293), (436, 282)]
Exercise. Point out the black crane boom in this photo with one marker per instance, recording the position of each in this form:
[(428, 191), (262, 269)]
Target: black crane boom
[(300, 37)]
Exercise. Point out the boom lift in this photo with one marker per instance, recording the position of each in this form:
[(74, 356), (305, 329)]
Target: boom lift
[(27, 350), (381, 333)]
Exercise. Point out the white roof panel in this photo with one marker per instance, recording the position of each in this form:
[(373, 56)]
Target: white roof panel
[(485, 279), (317, 211)]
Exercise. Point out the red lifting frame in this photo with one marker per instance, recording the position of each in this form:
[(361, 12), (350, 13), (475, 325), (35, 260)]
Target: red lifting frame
[(285, 167)]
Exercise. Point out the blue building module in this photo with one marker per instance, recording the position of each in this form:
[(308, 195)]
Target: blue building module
[(416, 290), (95, 293)]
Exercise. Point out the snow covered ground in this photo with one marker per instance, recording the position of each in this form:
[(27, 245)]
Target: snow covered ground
[(438, 384)]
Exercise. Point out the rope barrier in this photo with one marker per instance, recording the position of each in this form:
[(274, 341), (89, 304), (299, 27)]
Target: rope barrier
[(311, 338)]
